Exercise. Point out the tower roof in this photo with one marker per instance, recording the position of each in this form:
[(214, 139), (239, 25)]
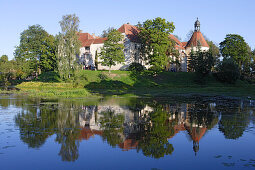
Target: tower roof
[(197, 39)]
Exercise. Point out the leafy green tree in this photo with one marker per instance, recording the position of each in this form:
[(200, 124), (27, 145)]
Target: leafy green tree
[(68, 46), (228, 71), (112, 51), (7, 71), (48, 59), (201, 63), (36, 50), (235, 47), (4, 59), (215, 52), (155, 42)]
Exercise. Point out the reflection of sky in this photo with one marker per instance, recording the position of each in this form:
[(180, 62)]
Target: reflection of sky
[(214, 152)]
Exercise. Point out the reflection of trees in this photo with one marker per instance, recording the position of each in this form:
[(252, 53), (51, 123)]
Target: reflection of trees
[(148, 130), (154, 134), (68, 131), (38, 123), (234, 119), (36, 127), (233, 125), (113, 128)]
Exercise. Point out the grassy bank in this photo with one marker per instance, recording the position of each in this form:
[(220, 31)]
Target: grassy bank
[(51, 90), (88, 83)]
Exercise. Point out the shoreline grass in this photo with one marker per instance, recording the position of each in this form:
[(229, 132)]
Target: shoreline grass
[(144, 85)]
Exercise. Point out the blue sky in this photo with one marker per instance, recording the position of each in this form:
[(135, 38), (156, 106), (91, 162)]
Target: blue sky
[(217, 17)]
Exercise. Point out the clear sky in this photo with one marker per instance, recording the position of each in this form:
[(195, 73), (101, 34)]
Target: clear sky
[(217, 17)]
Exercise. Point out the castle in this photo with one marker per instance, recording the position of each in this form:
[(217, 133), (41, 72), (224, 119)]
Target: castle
[(91, 47)]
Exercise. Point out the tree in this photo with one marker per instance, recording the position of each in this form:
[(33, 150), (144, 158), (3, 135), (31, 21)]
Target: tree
[(235, 47), (189, 35), (4, 59), (7, 71), (112, 51), (201, 63), (36, 49), (155, 41), (215, 51), (68, 45), (106, 32), (48, 59), (227, 71)]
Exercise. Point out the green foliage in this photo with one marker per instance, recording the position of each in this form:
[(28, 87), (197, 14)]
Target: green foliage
[(227, 71), (235, 47), (4, 59), (215, 52), (68, 46), (7, 71), (155, 42), (201, 63), (36, 51), (136, 67), (112, 51), (49, 77), (102, 76)]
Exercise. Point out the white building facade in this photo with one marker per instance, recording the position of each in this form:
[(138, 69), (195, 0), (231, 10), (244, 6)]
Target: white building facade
[(91, 48)]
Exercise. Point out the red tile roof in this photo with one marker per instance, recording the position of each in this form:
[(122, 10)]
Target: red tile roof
[(178, 44), (131, 31), (197, 37), (184, 44), (87, 39), (99, 40)]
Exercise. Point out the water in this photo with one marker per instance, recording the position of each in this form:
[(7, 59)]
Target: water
[(127, 133)]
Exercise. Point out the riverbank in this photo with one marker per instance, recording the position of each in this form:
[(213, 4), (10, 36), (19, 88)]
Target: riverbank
[(101, 83)]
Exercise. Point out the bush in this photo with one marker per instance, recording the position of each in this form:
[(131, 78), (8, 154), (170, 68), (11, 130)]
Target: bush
[(228, 71), (50, 76), (137, 67), (102, 76)]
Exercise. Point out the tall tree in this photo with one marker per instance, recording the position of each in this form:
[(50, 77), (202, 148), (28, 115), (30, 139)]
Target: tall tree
[(68, 45), (37, 49), (215, 51), (201, 63), (4, 59), (235, 47), (112, 51), (155, 41)]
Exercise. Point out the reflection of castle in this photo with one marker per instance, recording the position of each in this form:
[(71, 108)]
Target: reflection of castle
[(179, 119)]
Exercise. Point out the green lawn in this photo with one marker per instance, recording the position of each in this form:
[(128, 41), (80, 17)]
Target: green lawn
[(99, 83)]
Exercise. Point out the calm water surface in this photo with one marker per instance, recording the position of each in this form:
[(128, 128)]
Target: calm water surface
[(127, 133)]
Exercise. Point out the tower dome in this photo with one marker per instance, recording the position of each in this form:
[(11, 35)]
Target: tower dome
[(197, 25)]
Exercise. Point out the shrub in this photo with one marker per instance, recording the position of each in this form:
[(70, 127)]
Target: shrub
[(228, 71), (102, 76), (137, 67), (50, 76)]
